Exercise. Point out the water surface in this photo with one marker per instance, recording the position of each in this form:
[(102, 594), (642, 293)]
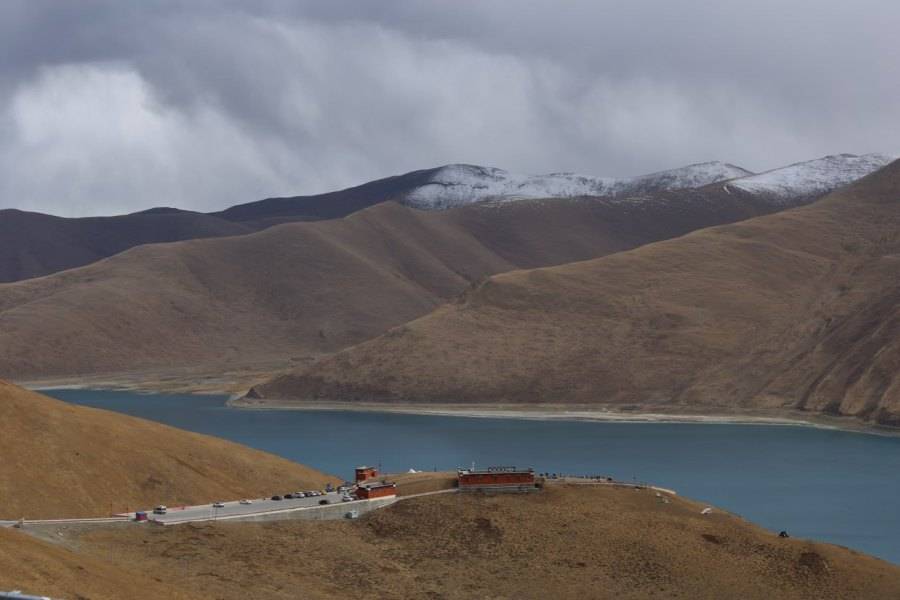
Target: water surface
[(836, 486)]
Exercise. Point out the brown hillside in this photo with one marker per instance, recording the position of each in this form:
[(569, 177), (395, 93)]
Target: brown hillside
[(39, 568), (35, 244), (569, 542), (304, 288), (60, 460), (793, 310)]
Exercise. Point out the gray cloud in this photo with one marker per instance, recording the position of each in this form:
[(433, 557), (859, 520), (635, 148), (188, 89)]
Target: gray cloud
[(113, 106)]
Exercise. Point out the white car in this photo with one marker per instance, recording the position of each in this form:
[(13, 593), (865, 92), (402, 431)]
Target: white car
[(246, 501), (346, 498), (218, 505), (160, 510)]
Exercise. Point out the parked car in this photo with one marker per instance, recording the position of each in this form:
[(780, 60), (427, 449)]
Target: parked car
[(276, 497), (218, 505), (300, 495), (246, 501), (288, 496), (346, 498), (160, 510)]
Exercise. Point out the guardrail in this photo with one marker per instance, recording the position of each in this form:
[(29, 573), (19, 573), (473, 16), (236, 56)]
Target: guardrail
[(89, 521)]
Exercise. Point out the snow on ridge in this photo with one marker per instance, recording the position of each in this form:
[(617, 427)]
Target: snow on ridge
[(459, 184), (812, 177), (696, 175)]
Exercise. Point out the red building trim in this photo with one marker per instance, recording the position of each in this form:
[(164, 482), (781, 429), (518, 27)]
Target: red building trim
[(376, 490), (363, 473), (496, 477)]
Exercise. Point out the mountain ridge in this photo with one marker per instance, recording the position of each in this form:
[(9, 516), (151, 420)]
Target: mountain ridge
[(301, 289), (34, 244), (794, 310)]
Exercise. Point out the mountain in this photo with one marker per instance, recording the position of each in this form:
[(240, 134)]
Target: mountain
[(796, 310), (300, 289), (456, 185), (62, 460), (331, 205), (811, 178), (35, 244)]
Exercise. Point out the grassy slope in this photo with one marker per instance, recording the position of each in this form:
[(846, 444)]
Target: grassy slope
[(563, 543), (796, 309), (61, 460), (35, 244), (39, 568), (300, 289)]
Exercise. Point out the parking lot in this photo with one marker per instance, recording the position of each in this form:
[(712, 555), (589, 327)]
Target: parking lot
[(235, 508)]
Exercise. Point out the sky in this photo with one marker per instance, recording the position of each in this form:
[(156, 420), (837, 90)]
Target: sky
[(108, 107)]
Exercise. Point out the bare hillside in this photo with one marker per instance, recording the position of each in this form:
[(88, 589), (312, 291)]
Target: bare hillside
[(38, 567), (35, 244), (569, 542), (61, 460), (793, 310), (300, 289)]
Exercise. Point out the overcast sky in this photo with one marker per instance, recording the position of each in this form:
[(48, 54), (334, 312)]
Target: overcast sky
[(110, 107)]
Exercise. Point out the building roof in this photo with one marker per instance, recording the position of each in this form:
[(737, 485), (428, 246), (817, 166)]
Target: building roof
[(377, 484), (495, 471)]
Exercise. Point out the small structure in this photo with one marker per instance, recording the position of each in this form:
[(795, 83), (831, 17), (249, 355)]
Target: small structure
[(363, 473), (497, 479), (378, 489)]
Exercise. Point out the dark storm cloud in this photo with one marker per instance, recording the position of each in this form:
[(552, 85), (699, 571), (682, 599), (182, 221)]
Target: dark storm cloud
[(116, 106)]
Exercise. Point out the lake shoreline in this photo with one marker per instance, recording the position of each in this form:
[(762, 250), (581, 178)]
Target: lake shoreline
[(775, 470), (542, 412), (640, 414)]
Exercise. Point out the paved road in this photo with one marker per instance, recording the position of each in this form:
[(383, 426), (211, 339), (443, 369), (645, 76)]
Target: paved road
[(234, 508), (206, 512)]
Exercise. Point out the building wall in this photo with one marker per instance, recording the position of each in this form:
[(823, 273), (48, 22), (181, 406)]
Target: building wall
[(367, 473), (379, 492), (498, 478)]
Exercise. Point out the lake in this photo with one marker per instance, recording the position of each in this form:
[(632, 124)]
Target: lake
[(828, 485)]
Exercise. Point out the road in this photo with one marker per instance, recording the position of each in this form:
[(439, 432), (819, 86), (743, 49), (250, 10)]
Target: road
[(231, 510), (235, 508)]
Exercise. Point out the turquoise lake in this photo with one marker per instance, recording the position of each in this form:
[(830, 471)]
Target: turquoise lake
[(828, 485)]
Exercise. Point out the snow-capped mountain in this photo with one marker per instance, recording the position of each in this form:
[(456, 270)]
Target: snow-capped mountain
[(456, 185), (812, 177)]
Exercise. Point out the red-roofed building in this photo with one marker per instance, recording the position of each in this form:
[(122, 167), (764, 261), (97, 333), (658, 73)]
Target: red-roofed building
[(363, 473), (499, 479), (378, 489)]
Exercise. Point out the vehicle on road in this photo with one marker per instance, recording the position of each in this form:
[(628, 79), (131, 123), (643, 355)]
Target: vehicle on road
[(218, 505), (276, 497), (288, 496), (160, 510), (246, 501), (324, 501), (346, 498)]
